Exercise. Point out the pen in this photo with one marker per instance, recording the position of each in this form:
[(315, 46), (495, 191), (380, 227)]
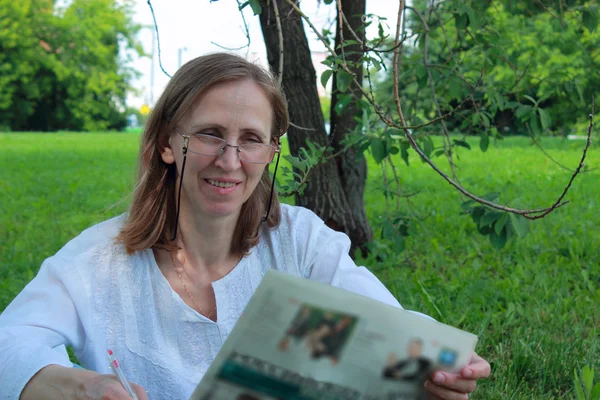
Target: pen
[(114, 364)]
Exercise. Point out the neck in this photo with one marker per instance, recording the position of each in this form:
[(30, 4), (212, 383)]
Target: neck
[(207, 242)]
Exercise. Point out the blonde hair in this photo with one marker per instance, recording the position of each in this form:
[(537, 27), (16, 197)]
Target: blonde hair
[(151, 218)]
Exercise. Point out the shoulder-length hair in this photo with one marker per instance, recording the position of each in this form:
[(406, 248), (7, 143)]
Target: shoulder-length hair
[(151, 218)]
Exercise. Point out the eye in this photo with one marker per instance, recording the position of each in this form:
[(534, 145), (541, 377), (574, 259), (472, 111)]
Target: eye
[(209, 132), (251, 138)]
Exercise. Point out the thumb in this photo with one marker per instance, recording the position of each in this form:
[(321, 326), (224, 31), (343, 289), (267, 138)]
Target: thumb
[(139, 391)]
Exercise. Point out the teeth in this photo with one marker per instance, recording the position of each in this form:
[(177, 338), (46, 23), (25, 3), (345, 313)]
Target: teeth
[(221, 184)]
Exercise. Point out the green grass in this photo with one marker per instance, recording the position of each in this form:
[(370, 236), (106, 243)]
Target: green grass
[(534, 304)]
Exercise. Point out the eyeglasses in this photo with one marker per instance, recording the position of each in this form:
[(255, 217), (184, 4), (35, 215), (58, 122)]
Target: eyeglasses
[(206, 145), (211, 146)]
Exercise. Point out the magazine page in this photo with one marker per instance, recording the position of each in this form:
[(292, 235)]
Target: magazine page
[(304, 340)]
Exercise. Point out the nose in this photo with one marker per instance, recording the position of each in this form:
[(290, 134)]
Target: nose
[(229, 159)]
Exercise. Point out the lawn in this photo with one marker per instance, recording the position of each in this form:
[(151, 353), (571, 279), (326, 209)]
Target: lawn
[(534, 304)]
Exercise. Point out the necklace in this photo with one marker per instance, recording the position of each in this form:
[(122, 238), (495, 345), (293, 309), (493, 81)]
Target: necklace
[(198, 308)]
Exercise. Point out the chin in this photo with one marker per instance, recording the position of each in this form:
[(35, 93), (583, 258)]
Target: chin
[(222, 210)]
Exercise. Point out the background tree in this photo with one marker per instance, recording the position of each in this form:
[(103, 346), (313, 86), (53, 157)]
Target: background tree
[(335, 188), (458, 70), (65, 68)]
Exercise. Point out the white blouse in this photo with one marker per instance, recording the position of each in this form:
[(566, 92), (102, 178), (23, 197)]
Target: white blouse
[(93, 296)]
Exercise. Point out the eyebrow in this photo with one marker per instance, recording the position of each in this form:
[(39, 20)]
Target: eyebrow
[(198, 127)]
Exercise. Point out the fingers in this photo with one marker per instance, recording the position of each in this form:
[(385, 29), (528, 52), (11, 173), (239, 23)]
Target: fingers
[(454, 382), (477, 368), (139, 391), (439, 392)]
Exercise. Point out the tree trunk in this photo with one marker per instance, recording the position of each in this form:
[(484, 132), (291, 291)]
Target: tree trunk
[(324, 193), (351, 165)]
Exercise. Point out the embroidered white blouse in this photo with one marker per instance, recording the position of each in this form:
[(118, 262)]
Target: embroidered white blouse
[(93, 296)]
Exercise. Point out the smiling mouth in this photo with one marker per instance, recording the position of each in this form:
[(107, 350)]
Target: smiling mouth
[(221, 184)]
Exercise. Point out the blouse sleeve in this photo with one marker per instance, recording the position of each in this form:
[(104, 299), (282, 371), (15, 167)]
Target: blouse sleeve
[(323, 255), (34, 329)]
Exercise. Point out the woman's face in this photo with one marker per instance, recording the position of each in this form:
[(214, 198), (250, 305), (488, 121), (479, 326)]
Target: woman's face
[(218, 186)]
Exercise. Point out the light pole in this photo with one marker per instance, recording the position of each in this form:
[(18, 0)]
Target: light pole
[(179, 54)]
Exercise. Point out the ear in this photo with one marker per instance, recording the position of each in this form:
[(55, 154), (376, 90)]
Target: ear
[(167, 154)]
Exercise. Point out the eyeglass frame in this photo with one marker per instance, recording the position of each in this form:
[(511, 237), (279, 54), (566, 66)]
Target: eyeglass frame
[(186, 139), (238, 148)]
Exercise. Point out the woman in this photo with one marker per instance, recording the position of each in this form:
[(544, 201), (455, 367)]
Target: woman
[(164, 285)]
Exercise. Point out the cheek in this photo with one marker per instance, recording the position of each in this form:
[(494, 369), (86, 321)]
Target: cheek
[(254, 172)]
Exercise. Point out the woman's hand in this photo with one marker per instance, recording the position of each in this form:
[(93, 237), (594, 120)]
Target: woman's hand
[(108, 387), (57, 382), (457, 386)]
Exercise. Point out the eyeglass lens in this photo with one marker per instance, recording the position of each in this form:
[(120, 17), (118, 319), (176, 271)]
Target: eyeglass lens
[(206, 145)]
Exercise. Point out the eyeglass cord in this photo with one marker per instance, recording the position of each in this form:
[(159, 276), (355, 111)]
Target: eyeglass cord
[(181, 184), (179, 193)]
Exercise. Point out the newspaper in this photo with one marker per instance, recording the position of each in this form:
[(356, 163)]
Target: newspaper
[(303, 340)]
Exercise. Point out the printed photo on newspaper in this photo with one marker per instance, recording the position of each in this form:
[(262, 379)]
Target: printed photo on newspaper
[(305, 340)]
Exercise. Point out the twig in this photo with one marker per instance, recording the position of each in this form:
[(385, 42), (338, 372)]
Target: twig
[(547, 10), (539, 213), (245, 31), (447, 141), (539, 146), (157, 39), (526, 213), (302, 128), (310, 171), (341, 18), (558, 201), (280, 36)]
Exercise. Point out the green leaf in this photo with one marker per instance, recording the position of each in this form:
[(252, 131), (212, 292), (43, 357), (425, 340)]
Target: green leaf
[(380, 31), (344, 80), (523, 111), (545, 118), (477, 213), (429, 301), (256, 7), (484, 142), (462, 143), (325, 77), (534, 101), (596, 392), (535, 125), (588, 380), (578, 391), (473, 18), (492, 196), (489, 218), (589, 19), (500, 223), (519, 224), (499, 240), (461, 21), (378, 149), (376, 64), (342, 101), (427, 145), (404, 146)]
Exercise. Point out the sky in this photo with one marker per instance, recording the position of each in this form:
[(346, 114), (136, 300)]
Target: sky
[(190, 28)]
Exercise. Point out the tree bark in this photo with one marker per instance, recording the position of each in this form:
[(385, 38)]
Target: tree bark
[(352, 166), (324, 193)]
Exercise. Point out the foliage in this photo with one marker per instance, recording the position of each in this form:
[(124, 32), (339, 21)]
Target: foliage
[(65, 68), (584, 386), (484, 68), (537, 65), (533, 305)]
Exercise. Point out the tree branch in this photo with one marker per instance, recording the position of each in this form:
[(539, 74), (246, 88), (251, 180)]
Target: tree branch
[(528, 213), (157, 39), (280, 37)]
